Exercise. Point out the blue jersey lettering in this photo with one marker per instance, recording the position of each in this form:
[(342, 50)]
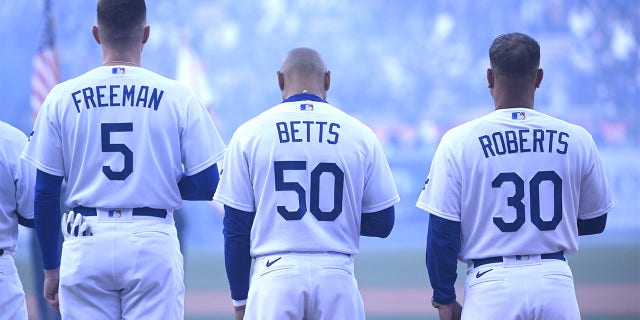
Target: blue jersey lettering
[(116, 96), (522, 141), (307, 131)]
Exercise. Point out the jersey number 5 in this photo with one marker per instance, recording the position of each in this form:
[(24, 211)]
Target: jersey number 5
[(107, 146), (314, 199), (515, 201)]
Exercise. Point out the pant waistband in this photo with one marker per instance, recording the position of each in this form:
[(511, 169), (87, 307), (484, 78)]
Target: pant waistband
[(555, 255), (144, 211), (283, 253)]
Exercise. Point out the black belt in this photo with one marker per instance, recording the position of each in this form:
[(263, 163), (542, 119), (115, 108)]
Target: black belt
[(144, 211), (556, 255)]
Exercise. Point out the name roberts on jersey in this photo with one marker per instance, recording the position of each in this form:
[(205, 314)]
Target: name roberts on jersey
[(116, 95), (524, 140)]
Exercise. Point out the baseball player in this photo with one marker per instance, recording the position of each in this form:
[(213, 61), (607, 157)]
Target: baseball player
[(301, 182), (509, 193), (17, 179), (131, 145)]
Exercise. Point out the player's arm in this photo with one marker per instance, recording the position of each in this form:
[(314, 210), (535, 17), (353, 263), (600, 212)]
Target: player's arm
[(443, 247), (592, 226), (237, 258), (25, 182), (377, 224), (595, 195), (47, 217), (25, 194), (200, 186)]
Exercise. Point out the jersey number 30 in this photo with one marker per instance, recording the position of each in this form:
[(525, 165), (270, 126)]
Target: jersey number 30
[(314, 190), (515, 201)]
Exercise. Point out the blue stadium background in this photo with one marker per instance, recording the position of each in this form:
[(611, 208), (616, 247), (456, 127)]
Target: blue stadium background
[(409, 69)]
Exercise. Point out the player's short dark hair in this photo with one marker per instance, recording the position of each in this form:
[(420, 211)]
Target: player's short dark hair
[(515, 55), (119, 19)]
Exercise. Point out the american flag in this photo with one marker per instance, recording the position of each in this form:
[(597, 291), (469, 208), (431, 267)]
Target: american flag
[(46, 72)]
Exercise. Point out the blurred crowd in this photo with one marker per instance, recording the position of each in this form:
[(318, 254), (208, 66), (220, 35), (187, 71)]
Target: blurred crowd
[(410, 69)]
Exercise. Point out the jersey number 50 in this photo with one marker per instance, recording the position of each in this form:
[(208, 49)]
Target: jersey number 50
[(515, 201), (314, 199)]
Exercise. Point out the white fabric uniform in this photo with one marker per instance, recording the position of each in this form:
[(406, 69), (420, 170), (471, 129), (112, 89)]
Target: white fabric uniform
[(517, 180), (121, 137), (309, 171), (16, 198)]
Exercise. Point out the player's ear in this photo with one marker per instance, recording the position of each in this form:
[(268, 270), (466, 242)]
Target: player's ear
[(280, 80), (145, 36), (96, 34), (327, 80), (491, 79), (539, 76)]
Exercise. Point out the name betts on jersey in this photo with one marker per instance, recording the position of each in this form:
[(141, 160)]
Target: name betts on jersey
[(315, 131)]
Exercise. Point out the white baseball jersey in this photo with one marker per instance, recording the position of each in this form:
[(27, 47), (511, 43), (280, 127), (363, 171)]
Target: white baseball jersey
[(517, 180), (120, 136), (16, 198), (16, 185), (309, 171)]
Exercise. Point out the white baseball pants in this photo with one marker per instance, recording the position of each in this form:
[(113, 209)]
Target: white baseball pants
[(529, 289), (310, 286)]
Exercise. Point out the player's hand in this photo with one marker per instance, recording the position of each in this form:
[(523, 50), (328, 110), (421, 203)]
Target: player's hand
[(451, 311), (240, 312), (73, 225), (51, 283)]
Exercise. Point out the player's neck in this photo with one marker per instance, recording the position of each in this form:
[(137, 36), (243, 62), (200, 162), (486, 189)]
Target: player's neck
[(288, 93), (513, 105), (120, 58), (511, 94), (509, 99)]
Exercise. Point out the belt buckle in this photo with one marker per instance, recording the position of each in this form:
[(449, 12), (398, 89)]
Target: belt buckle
[(522, 260), (115, 215)]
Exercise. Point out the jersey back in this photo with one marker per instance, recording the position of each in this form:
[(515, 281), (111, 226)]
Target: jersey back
[(309, 171), (517, 180), (122, 137)]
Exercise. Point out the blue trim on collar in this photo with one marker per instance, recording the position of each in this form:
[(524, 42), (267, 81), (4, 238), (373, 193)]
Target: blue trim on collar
[(304, 97)]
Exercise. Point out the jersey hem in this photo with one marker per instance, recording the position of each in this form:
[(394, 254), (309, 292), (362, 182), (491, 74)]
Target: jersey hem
[(232, 204), (197, 169), (598, 213), (381, 206), (438, 213), (42, 167)]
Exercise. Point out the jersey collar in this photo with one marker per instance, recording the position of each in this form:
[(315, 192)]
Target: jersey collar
[(304, 97)]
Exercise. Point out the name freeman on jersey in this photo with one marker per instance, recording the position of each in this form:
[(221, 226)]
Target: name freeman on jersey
[(294, 131), (524, 140), (117, 96)]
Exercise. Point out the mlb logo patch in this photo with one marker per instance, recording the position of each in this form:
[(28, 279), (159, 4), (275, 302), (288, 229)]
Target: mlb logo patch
[(117, 70), (306, 107), (115, 213), (518, 115)]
